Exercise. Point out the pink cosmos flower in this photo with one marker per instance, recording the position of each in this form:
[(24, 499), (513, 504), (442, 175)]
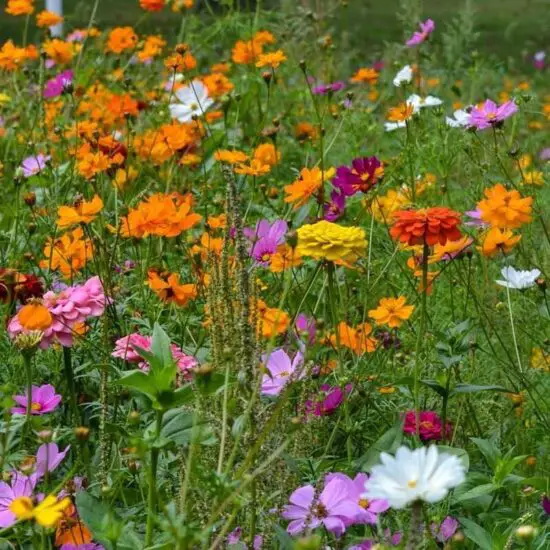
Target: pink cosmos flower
[(20, 486), (431, 428), (305, 327), (73, 305), (281, 371), (355, 488), (34, 164), (324, 89), (490, 114), (446, 530), (43, 400), (332, 508), (330, 398), (361, 177), (126, 348), (475, 218), (418, 37), (57, 85), (266, 238), (48, 458)]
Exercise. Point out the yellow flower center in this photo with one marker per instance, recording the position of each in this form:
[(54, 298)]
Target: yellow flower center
[(364, 503), (194, 106), (412, 484), (266, 257), (284, 374), (36, 406), (22, 507)]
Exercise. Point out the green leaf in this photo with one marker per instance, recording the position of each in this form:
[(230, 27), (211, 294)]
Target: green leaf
[(476, 492), (488, 449), (177, 426), (388, 442), (477, 534), (474, 388), (140, 381), (96, 516), (284, 539), (434, 385), (160, 346)]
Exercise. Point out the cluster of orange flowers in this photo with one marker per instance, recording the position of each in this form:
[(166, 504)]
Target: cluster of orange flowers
[(160, 215), (13, 57), (68, 253), (168, 288), (358, 339), (246, 52), (264, 157), (307, 184)]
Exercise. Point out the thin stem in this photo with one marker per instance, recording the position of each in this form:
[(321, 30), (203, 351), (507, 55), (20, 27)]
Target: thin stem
[(69, 374), (151, 499), (514, 339), (27, 361)]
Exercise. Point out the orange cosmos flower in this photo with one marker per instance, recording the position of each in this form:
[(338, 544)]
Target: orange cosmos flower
[(263, 38), (217, 84), (305, 130), (220, 68), (180, 62), (426, 226), (60, 51), (68, 254), (306, 185), (208, 245), (365, 74), (391, 312), (152, 5), (92, 164), (19, 7), (267, 153), (505, 208), (152, 47), (12, 57), (83, 212), (244, 53), (499, 240), (285, 257), (48, 19), (121, 39), (254, 168), (271, 321), (402, 112), (168, 288), (160, 215), (450, 249), (230, 157), (217, 222), (35, 316), (357, 339), (272, 59), (70, 530)]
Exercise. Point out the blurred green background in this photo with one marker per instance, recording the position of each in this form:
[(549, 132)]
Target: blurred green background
[(506, 27)]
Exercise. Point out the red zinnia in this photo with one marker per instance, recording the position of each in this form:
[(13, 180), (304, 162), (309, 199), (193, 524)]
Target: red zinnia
[(426, 226)]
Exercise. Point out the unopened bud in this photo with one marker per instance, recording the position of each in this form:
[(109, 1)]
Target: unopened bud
[(526, 532), (82, 433), (45, 436)]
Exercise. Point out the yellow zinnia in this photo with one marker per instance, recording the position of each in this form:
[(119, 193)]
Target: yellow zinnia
[(329, 241)]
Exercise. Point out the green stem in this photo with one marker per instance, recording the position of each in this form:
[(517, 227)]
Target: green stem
[(151, 499), (514, 339), (69, 374), (27, 361)]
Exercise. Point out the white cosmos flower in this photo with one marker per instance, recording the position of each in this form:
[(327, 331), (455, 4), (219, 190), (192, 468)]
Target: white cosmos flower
[(518, 280), (391, 126), (192, 100), (421, 102), (404, 76), (422, 474), (459, 119)]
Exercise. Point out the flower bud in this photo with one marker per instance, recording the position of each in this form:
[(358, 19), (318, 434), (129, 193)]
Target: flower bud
[(526, 532), (45, 436), (82, 433), (134, 418)]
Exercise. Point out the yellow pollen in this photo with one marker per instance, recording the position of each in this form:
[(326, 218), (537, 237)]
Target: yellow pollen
[(36, 407), (412, 484), (22, 507), (364, 503)]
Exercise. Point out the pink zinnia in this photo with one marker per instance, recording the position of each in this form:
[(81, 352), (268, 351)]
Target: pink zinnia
[(43, 400), (430, 425), (332, 508), (490, 114), (418, 37)]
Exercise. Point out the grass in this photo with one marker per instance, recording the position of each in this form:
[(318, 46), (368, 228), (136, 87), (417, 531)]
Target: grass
[(507, 27)]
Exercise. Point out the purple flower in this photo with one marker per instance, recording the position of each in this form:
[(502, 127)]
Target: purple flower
[(58, 84), (305, 326), (418, 37), (235, 536), (490, 114), (361, 177), (43, 400), (475, 218), (48, 458), (545, 154), (446, 530), (330, 398), (355, 488), (335, 208), (266, 238), (538, 60), (281, 371), (20, 486), (34, 164), (546, 505), (332, 508), (324, 89)]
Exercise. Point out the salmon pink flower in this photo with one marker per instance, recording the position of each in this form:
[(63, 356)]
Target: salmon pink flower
[(281, 371), (43, 400), (331, 509), (489, 114), (426, 28)]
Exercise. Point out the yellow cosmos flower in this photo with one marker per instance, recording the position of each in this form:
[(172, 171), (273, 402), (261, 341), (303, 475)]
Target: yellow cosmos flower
[(329, 241), (391, 312), (47, 513)]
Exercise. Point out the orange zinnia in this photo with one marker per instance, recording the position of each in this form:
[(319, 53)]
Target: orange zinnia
[(83, 212), (498, 240), (357, 339), (168, 288), (505, 209), (35, 316), (426, 226)]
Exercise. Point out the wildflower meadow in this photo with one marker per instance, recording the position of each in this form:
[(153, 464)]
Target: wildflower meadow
[(262, 290)]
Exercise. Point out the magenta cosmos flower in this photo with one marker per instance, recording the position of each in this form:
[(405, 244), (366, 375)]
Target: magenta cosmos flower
[(34, 165), (20, 486), (336, 207), (305, 327), (126, 348), (355, 488), (361, 177), (58, 84), (420, 36), (489, 114), (324, 89), (281, 370), (43, 400), (430, 425), (445, 530), (332, 508), (328, 400), (266, 238)]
